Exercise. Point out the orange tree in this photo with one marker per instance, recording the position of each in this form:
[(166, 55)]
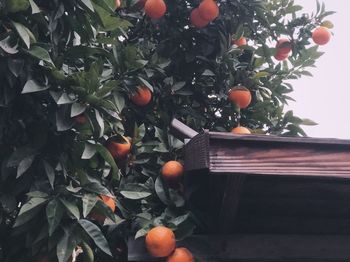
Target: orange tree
[(87, 93)]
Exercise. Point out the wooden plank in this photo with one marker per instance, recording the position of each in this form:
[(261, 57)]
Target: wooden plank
[(279, 159), (181, 131), (279, 139), (230, 202), (257, 248), (197, 154)]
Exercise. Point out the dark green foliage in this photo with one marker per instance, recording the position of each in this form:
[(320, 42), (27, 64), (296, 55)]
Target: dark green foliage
[(60, 59)]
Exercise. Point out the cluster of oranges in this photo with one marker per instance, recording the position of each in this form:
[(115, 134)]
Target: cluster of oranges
[(320, 36), (205, 13), (160, 242), (200, 17)]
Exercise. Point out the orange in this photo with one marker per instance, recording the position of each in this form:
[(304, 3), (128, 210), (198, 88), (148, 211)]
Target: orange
[(119, 149), (143, 95), (241, 130), (155, 9), (172, 171), (109, 201), (281, 57), (283, 46), (80, 119), (241, 96), (117, 4), (160, 241), (181, 255), (241, 41), (197, 20), (321, 35), (208, 10)]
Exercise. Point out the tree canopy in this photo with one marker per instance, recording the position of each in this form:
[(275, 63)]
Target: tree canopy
[(69, 72)]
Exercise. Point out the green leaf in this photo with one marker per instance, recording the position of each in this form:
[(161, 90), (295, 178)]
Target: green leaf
[(32, 86), (109, 159), (88, 4), (66, 246), (89, 151), (146, 83), (54, 214), (50, 173), (29, 210), (23, 32), (24, 165), (77, 109), (135, 195), (89, 201), (40, 53), (35, 8), (71, 207), (308, 122), (96, 235)]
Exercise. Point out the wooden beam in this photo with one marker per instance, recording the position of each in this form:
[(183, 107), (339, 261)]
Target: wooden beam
[(181, 131), (258, 248)]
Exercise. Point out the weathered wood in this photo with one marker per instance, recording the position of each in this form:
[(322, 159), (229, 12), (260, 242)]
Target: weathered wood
[(279, 159), (258, 248), (226, 153), (230, 202), (181, 131)]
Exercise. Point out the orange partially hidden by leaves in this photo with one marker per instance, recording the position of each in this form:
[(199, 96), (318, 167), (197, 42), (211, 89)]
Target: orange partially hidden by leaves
[(241, 130), (155, 9), (181, 254), (197, 20), (172, 171), (321, 35), (119, 149), (80, 119), (241, 96), (283, 46), (208, 10), (241, 41), (281, 57), (160, 241), (143, 95), (109, 201)]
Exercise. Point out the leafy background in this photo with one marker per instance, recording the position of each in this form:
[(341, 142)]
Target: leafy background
[(63, 58)]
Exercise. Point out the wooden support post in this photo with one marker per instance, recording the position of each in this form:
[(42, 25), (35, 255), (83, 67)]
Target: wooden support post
[(230, 202)]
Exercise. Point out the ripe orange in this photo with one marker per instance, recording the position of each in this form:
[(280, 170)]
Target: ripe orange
[(241, 41), (197, 20), (117, 4), (283, 46), (109, 202), (155, 9), (143, 95), (321, 35), (241, 130), (160, 241), (119, 149), (80, 119), (241, 96), (208, 10), (281, 57), (172, 171), (181, 255)]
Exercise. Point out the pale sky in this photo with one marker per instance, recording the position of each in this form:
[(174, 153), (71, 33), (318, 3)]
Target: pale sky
[(324, 97)]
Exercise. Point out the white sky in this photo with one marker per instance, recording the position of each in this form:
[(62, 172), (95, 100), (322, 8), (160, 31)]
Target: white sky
[(324, 97)]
